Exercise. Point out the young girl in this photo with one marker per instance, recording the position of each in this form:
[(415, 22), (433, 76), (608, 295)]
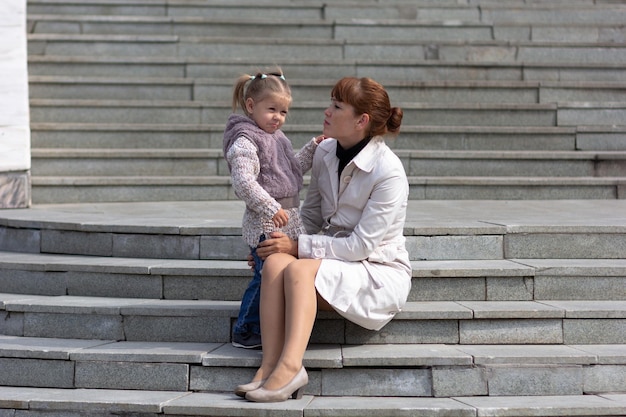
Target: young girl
[(266, 174)]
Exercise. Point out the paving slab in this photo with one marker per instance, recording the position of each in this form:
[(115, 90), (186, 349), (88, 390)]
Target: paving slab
[(591, 309), (605, 354), (220, 404), (44, 348), (86, 400), (548, 406), (517, 216), (512, 309), (169, 352), (316, 356), (528, 354), (404, 355), (387, 407)]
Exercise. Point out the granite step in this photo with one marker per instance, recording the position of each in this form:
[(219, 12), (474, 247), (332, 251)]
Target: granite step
[(209, 112), (485, 11), (429, 370), (180, 279), (69, 189), (311, 112), (396, 69), (210, 162), (220, 89), (208, 321), (231, 47), (47, 402), (435, 229), (342, 28), (471, 138)]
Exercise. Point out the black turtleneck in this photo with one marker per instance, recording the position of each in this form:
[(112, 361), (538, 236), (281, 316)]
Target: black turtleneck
[(347, 155)]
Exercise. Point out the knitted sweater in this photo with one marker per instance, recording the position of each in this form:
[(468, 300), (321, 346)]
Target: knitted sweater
[(245, 162)]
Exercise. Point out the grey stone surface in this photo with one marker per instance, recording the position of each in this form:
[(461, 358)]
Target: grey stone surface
[(132, 375), (372, 382), (506, 380), (177, 247), (168, 352), (606, 354), (219, 404), (72, 242), (76, 326), (529, 354), (15, 190), (447, 289), (43, 348), (543, 331), (580, 288), (561, 245), (510, 406), (177, 329), (406, 331), (440, 310), (512, 309), (37, 373), (391, 407), (403, 355), (594, 331), (459, 381), (510, 289), (88, 400), (604, 378), (590, 309), (33, 282), (24, 240)]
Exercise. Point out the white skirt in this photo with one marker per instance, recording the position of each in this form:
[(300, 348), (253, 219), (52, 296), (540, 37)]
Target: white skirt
[(366, 293)]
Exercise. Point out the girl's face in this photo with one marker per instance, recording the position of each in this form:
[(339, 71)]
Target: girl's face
[(270, 113), (341, 123)]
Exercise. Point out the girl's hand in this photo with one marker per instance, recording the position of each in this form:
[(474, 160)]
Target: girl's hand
[(277, 242), (281, 218), (320, 138)]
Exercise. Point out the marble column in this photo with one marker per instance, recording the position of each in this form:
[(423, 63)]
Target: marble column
[(14, 108)]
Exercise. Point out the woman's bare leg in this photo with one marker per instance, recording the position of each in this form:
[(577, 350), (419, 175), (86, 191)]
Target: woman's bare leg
[(300, 309), (272, 312)]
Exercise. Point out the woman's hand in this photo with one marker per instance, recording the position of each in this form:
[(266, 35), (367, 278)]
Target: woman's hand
[(277, 242)]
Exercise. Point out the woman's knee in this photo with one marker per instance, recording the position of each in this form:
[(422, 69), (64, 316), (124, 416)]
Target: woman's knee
[(276, 262), (302, 269)]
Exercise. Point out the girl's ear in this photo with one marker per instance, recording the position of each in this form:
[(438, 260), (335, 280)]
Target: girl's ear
[(249, 105)]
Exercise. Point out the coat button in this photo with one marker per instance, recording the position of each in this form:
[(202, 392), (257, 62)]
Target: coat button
[(319, 252), (347, 179)]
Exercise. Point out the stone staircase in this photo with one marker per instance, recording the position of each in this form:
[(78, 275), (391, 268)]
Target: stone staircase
[(119, 287), (502, 100), (517, 308)]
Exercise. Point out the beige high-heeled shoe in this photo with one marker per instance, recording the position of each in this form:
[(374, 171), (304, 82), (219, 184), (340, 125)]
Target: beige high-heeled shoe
[(241, 390), (293, 389)]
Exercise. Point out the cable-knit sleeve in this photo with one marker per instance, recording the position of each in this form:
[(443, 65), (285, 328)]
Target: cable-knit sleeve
[(244, 162), (305, 155)]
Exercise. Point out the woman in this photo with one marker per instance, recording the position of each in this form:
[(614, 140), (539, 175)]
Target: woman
[(354, 259)]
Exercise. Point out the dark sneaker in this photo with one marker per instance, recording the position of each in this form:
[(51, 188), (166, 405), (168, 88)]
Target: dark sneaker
[(247, 340)]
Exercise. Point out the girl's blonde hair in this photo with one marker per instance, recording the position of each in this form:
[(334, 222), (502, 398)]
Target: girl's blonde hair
[(259, 86)]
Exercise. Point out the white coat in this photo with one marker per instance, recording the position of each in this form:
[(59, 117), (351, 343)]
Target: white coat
[(355, 226)]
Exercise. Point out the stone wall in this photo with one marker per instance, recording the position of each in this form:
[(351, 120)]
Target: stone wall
[(14, 108)]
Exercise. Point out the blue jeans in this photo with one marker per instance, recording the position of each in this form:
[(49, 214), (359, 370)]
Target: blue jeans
[(249, 319)]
